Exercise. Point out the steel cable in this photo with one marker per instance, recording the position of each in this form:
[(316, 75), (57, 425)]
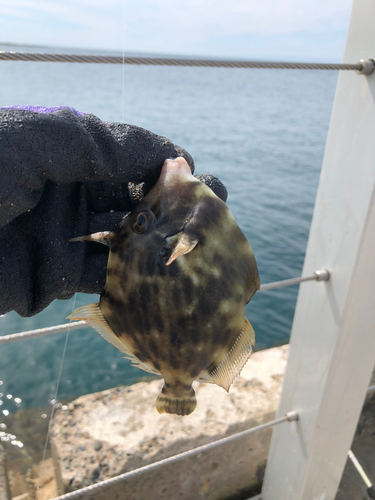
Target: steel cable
[(165, 61), (289, 417), (321, 275)]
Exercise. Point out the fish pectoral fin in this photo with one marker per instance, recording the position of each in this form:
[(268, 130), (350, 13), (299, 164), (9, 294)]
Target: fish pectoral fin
[(184, 245), (93, 316), (97, 237), (231, 366)]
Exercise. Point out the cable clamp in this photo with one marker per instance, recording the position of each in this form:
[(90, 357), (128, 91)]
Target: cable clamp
[(322, 275), (368, 66), (292, 415)]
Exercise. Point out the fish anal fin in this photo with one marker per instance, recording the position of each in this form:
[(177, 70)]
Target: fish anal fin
[(93, 316), (184, 245), (137, 363), (231, 366)]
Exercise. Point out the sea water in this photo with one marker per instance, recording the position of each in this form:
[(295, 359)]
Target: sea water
[(262, 132)]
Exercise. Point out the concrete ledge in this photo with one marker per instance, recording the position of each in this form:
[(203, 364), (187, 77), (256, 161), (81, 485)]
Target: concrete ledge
[(105, 434), (4, 485)]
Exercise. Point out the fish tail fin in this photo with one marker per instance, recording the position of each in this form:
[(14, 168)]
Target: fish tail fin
[(179, 402)]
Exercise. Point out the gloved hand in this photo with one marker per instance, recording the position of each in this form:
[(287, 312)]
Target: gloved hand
[(67, 174)]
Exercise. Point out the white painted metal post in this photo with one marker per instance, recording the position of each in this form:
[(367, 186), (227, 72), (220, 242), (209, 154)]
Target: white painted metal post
[(332, 350)]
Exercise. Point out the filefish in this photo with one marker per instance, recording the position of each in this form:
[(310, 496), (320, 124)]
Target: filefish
[(180, 272)]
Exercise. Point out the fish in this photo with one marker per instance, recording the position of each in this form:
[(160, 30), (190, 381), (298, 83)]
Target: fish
[(180, 272)]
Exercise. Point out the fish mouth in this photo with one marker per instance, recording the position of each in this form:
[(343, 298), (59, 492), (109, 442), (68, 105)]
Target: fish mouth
[(177, 166)]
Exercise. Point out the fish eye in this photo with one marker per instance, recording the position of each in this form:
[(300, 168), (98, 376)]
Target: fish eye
[(142, 223)]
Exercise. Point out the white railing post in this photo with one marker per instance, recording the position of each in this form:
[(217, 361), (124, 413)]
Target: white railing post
[(332, 352)]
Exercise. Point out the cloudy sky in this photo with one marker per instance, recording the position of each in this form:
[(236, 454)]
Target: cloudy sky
[(273, 29)]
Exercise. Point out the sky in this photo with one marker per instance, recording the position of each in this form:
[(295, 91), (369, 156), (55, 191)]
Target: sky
[(305, 30)]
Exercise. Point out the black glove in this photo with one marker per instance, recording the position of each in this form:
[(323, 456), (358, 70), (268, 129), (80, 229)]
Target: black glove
[(66, 175)]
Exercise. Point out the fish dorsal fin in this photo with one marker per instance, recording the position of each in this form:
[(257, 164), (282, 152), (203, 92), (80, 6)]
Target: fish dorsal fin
[(231, 366), (93, 316)]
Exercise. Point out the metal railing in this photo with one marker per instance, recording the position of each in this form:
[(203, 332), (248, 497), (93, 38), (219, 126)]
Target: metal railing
[(321, 275), (94, 488), (363, 67)]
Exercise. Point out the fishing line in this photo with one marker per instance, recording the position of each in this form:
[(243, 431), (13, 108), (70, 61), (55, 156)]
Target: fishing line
[(123, 65), (75, 295), (58, 383)]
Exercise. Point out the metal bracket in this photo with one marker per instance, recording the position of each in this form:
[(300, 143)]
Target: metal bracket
[(368, 66)]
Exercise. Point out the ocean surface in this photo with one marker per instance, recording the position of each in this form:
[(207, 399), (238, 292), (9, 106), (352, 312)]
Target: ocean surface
[(262, 132)]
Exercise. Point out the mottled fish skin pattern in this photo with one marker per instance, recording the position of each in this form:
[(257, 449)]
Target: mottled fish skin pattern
[(183, 318)]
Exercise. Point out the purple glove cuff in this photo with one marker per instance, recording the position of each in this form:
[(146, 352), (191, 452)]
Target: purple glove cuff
[(43, 109)]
